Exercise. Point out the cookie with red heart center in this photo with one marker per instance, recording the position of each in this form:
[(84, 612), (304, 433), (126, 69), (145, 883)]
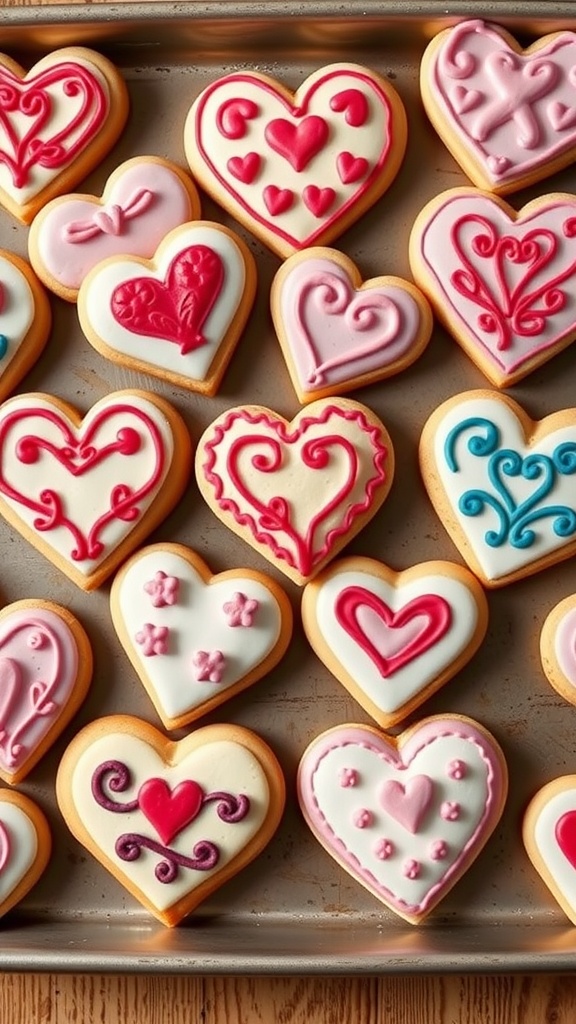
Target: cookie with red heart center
[(57, 121), (177, 316), (297, 168), (549, 833), (172, 821), (25, 847), (25, 320), (405, 816), (394, 638), (85, 492), (296, 491), (507, 115)]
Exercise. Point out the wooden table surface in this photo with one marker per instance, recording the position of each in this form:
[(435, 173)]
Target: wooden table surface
[(116, 999)]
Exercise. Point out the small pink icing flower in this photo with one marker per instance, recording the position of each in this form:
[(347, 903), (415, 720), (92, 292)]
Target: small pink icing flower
[(438, 849), (450, 810), (152, 639), (240, 610), (363, 818), (348, 778), (456, 770), (163, 589), (36, 640), (383, 849), (411, 869), (209, 666)]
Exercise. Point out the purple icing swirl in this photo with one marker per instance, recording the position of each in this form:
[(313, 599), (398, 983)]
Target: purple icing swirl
[(117, 777), (230, 808), (206, 855)]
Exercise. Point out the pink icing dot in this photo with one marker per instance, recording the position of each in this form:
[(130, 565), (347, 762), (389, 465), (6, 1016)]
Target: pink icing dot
[(36, 640), (383, 849), (438, 849), (240, 610), (411, 869), (163, 589), (456, 770), (152, 639), (348, 777), (363, 818), (209, 666), (450, 810)]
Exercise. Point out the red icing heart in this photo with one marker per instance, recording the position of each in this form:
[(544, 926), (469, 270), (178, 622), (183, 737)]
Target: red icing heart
[(244, 168), (277, 200), (432, 608), (169, 811), (351, 168), (352, 103), (566, 836), (297, 143), (177, 309), (232, 116), (27, 109), (318, 200)]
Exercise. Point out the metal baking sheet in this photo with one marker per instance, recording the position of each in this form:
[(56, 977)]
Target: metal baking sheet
[(294, 909)]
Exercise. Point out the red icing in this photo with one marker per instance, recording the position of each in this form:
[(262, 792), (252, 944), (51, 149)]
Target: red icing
[(244, 168), (565, 832), (232, 116), (353, 104), (177, 308), (431, 607), (169, 811), (318, 200), (297, 143), (351, 168), (277, 200), (32, 144)]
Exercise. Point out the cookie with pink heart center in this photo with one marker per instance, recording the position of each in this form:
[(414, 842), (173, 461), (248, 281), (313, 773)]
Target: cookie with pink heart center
[(25, 847), (406, 817)]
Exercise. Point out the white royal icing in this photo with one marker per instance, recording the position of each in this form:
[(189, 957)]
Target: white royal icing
[(556, 861), (17, 310), (23, 843)]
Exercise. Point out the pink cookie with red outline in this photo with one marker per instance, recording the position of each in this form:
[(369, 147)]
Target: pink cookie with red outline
[(507, 115), (58, 121), (337, 332), (297, 168), (500, 281), (296, 491), (394, 638), (25, 847), (405, 816), (143, 199)]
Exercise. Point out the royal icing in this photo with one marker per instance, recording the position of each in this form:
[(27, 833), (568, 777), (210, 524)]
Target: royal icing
[(296, 167), (18, 845), (511, 500), (404, 790), (504, 281), (565, 646), (514, 113), (550, 838), (392, 637), (142, 202), (297, 489), (17, 311)]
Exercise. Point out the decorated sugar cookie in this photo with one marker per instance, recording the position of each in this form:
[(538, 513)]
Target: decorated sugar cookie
[(549, 833), (25, 320), (297, 168), (500, 281), (143, 200), (296, 491), (338, 333), (196, 639), (406, 817), (558, 648), (172, 821), (59, 119), (87, 491), (177, 316), (507, 115), (45, 671), (502, 484), (25, 847), (394, 638)]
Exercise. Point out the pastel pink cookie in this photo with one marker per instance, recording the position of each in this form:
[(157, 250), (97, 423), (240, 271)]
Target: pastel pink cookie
[(411, 825), (507, 115), (500, 281), (338, 333), (143, 200), (25, 847), (297, 168), (558, 648)]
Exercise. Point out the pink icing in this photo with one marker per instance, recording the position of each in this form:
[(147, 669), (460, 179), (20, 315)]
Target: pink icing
[(152, 639), (348, 778), (363, 818), (438, 849), (69, 259), (241, 610), (407, 803), (353, 104), (335, 332), (5, 847), (450, 810), (565, 645), (297, 143), (383, 849), (209, 666), (411, 869), (36, 680), (456, 770), (513, 112), (163, 589)]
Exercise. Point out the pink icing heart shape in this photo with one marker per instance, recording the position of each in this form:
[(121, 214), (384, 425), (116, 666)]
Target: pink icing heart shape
[(244, 168), (318, 200), (351, 168), (170, 811), (277, 200), (298, 143), (465, 99), (561, 116), (565, 833), (407, 803)]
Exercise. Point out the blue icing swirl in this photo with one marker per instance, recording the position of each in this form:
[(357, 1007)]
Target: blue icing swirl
[(3, 345)]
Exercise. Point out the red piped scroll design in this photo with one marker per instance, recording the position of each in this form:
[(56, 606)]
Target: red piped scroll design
[(176, 309), (275, 516), (511, 309), (78, 455), (431, 607), (34, 146)]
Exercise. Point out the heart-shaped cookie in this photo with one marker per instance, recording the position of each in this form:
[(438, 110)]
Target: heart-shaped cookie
[(86, 492), (57, 121), (25, 847), (502, 484), (338, 333), (296, 491), (297, 168), (507, 115), (25, 320), (171, 821), (549, 833), (45, 671), (144, 199), (394, 638), (196, 639), (177, 316), (405, 817), (558, 648), (500, 281)]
